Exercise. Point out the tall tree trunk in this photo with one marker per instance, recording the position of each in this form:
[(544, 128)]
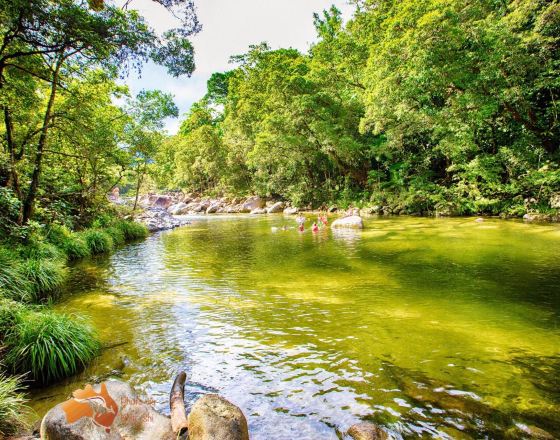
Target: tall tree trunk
[(138, 185), (32, 193), (13, 180)]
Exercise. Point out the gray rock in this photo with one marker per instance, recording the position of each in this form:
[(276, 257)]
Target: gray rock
[(367, 431), (258, 211), (213, 208), (177, 208), (276, 207), (555, 201), (372, 210), (106, 411), (292, 210), (214, 418), (353, 221), (252, 203)]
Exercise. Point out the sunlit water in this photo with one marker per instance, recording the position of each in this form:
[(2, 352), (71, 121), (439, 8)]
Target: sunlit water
[(446, 328)]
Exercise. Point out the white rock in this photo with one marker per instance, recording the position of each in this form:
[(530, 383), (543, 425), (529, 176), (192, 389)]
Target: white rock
[(291, 210), (353, 221)]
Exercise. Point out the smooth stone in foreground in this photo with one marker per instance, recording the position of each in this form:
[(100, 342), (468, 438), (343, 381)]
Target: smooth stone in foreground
[(353, 221), (214, 418), (134, 418)]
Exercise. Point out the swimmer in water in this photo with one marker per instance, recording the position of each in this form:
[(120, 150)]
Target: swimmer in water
[(315, 228)]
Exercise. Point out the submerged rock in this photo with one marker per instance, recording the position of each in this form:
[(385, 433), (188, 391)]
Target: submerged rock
[(214, 418), (106, 411), (367, 431), (353, 221)]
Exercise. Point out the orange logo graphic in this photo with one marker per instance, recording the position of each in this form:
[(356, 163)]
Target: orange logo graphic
[(81, 406)]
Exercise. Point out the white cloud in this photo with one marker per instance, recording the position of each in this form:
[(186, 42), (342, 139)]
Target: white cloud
[(229, 27)]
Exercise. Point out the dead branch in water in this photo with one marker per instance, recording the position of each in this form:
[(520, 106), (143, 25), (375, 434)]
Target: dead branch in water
[(177, 405)]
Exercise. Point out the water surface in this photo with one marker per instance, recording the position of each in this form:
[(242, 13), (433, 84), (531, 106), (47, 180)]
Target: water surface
[(431, 327)]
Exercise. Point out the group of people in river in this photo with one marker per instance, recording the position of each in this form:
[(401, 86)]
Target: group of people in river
[(321, 223)]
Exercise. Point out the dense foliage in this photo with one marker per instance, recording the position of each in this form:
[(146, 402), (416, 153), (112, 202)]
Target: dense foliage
[(69, 135), (424, 107)]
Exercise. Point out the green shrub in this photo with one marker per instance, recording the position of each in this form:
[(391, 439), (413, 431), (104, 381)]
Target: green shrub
[(9, 312), (132, 230), (49, 346), (76, 247), (13, 283), (98, 241), (45, 277), (73, 244), (13, 410), (37, 249), (116, 234)]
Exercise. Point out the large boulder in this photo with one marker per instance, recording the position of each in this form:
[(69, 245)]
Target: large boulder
[(254, 202), (276, 207), (160, 201), (214, 418), (367, 431), (107, 411), (353, 221)]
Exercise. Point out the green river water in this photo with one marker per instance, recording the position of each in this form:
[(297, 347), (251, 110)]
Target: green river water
[(442, 328)]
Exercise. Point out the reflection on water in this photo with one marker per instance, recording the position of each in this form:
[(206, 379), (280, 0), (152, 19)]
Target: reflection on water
[(430, 327)]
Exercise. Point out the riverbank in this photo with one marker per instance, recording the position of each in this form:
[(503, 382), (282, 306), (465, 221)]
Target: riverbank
[(40, 346), (161, 210)]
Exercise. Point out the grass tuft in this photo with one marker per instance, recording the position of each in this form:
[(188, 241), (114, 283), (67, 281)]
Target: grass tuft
[(73, 244), (45, 276), (13, 283), (132, 230), (98, 241), (116, 234), (13, 410), (49, 346)]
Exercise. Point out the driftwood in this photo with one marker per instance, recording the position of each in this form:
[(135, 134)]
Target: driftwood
[(177, 405)]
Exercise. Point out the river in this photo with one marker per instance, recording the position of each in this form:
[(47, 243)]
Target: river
[(434, 327)]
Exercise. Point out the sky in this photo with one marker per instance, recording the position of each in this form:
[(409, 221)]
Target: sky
[(228, 28)]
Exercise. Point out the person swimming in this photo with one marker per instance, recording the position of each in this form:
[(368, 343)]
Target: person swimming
[(301, 228), (315, 228)]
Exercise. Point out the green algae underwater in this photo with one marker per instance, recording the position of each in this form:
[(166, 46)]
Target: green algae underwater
[(445, 328)]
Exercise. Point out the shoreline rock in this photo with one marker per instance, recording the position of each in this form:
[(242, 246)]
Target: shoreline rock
[(352, 221)]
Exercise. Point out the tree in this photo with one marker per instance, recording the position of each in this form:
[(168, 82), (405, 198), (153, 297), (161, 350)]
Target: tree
[(49, 42), (147, 114)]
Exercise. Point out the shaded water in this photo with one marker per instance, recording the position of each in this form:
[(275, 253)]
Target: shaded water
[(430, 327)]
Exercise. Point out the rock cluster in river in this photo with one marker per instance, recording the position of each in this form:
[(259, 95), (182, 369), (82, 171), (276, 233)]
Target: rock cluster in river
[(159, 219)]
